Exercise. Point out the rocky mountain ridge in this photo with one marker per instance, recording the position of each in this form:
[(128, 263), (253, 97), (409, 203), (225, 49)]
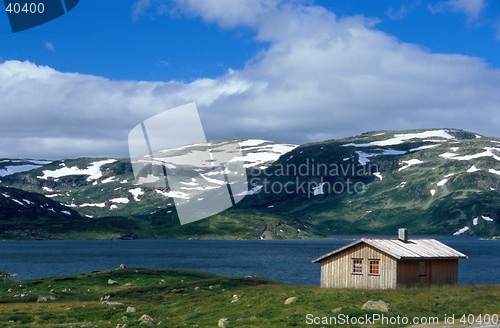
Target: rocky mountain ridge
[(434, 181)]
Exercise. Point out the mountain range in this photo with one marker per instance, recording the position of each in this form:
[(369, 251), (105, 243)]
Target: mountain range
[(432, 181)]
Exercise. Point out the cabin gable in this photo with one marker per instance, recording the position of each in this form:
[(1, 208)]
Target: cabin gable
[(359, 266)]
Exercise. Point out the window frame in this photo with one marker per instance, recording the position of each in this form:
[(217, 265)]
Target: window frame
[(371, 269), (357, 264)]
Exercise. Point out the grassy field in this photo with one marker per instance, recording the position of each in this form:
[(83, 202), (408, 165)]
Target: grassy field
[(180, 298)]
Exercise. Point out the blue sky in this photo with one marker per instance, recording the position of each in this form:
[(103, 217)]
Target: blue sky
[(292, 71)]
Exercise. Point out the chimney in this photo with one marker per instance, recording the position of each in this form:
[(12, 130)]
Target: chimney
[(403, 234)]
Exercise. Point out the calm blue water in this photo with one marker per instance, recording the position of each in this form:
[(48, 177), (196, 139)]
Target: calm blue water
[(287, 261)]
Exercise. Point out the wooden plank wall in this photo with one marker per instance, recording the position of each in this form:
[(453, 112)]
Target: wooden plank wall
[(437, 273), (336, 271)]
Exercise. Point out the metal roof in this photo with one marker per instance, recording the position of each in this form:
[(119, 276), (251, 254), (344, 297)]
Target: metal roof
[(413, 249)]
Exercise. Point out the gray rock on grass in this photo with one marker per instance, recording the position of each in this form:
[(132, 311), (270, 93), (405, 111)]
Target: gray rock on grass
[(223, 323), (146, 320), (377, 305), (46, 298)]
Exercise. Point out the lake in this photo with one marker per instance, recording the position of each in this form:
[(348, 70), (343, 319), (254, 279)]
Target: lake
[(287, 261)]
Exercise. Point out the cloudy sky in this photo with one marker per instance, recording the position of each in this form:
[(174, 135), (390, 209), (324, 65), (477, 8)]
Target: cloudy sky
[(290, 71)]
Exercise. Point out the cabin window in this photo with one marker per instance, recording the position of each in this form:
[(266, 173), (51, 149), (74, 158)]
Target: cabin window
[(375, 267), (421, 268), (357, 266)]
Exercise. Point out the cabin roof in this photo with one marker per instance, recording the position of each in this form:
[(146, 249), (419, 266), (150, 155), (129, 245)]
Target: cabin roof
[(413, 249)]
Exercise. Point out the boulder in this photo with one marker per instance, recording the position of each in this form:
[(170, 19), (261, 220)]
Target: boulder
[(120, 325), (122, 266), (46, 298), (377, 305), (223, 323), (109, 303), (291, 300), (131, 309), (112, 282), (146, 320)]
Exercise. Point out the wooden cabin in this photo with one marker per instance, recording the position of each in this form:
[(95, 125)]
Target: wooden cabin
[(389, 263)]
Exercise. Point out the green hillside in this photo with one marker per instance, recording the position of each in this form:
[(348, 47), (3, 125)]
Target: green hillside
[(437, 181), (431, 185)]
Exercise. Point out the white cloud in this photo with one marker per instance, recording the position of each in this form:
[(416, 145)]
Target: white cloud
[(397, 14), (139, 8), (49, 45), (470, 7), (320, 77), (230, 13)]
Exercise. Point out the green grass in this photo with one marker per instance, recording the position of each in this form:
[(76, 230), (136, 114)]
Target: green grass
[(182, 298)]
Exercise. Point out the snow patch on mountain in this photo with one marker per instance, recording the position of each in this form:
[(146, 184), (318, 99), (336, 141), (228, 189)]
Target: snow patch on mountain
[(494, 171), (108, 180), (150, 178), (424, 147), (400, 138), (120, 200), (460, 231), (473, 169), (261, 156), (53, 195), (319, 189), (409, 163), (136, 192), (173, 194), (364, 158), (252, 142), (93, 171), (489, 152), (101, 205), (19, 202), (250, 192), (442, 182), (448, 155), (402, 184)]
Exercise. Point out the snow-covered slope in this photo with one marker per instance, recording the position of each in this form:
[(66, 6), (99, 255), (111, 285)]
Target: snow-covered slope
[(105, 186), (432, 181)]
